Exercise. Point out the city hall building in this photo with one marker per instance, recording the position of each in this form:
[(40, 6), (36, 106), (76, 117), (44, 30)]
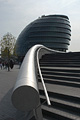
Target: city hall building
[(53, 31)]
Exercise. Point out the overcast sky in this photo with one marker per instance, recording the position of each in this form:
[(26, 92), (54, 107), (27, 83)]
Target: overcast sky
[(15, 15)]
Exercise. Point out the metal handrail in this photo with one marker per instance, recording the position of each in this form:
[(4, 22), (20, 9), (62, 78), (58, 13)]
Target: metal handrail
[(25, 94), (45, 90)]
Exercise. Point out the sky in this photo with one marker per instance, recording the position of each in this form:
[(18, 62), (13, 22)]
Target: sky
[(15, 15)]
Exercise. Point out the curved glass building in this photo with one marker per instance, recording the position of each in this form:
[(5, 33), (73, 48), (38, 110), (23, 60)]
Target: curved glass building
[(53, 31)]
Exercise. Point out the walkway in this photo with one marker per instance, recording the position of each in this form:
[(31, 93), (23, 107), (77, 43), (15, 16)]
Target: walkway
[(7, 81)]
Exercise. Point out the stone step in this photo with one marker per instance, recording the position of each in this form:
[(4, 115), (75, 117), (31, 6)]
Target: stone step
[(60, 89), (65, 69), (57, 57), (61, 103), (62, 97), (59, 114), (61, 82), (64, 56), (60, 73), (60, 65), (59, 62), (60, 77)]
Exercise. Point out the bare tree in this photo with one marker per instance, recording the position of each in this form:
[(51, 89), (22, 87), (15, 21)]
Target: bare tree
[(7, 45)]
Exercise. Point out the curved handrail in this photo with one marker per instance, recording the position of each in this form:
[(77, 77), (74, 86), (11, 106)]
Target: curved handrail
[(25, 94), (45, 90)]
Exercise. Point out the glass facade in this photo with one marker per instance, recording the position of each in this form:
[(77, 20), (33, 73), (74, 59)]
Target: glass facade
[(53, 31)]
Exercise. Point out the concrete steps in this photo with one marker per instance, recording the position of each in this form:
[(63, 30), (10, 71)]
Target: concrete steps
[(59, 114), (61, 73)]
